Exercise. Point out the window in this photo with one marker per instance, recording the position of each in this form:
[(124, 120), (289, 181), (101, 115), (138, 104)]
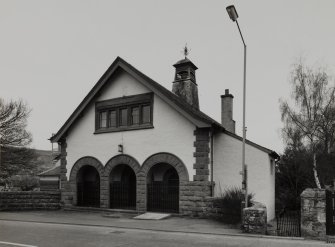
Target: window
[(123, 117), (103, 119), (135, 115), (112, 119), (272, 166), (146, 114), (125, 113)]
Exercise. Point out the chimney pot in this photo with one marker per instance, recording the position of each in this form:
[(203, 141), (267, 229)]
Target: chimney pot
[(227, 111)]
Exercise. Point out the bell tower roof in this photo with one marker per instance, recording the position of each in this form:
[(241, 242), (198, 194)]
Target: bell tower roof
[(185, 62)]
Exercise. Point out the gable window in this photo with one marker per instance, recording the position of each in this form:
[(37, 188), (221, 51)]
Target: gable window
[(112, 119), (125, 113), (123, 117), (135, 115), (103, 119), (146, 114)]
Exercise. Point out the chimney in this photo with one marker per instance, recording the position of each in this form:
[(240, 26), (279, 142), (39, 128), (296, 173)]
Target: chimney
[(184, 84), (227, 111)]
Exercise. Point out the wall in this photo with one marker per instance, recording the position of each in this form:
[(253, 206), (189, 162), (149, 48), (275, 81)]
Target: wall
[(28, 200), (254, 219), (49, 183), (313, 213), (140, 144), (228, 164)]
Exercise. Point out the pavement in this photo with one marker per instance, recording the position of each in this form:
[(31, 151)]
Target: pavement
[(122, 220), (169, 228)]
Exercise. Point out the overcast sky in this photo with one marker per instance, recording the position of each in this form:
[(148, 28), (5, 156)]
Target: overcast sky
[(53, 52)]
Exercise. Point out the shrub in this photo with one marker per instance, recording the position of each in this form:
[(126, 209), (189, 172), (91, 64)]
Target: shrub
[(230, 204), (24, 182)]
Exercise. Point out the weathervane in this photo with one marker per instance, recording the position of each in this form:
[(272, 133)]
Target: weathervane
[(186, 51)]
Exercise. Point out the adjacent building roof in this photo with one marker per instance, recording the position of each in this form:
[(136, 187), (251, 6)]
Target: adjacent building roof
[(196, 116), (55, 171)]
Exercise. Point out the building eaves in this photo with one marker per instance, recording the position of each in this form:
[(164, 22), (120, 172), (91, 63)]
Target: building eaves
[(272, 153)]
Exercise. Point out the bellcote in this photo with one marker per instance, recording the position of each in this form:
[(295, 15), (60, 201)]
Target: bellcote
[(185, 69), (184, 84)]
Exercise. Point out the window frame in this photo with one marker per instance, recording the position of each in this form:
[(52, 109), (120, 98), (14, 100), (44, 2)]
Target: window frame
[(117, 104)]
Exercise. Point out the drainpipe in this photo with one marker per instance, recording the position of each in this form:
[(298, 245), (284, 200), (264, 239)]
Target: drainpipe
[(212, 155)]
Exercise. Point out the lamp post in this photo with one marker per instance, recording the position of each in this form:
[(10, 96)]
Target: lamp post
[(233, 16)]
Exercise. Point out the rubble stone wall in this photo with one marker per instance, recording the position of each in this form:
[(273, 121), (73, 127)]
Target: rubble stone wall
[(30, 200), (254, 219)]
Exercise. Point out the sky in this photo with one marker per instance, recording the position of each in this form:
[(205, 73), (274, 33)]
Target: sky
[(53, 52)]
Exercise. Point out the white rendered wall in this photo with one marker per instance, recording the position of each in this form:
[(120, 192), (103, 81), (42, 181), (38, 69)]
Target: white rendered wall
[(172, 132), (228, 164)]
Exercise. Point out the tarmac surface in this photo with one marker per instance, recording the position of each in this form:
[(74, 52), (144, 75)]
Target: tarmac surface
[(71, 228)]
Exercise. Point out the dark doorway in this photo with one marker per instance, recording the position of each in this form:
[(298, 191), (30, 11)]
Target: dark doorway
[(330, 212), (122, 188), (163, 189), (88, 187)]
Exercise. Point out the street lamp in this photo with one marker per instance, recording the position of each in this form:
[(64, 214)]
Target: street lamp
[(233, 15)]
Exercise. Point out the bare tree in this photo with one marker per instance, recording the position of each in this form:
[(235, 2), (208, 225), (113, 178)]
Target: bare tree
[(13, 122), (313, 116), (13, 137)]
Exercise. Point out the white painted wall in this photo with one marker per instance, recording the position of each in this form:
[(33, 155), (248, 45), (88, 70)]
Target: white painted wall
[(227, 163), (171, 133)]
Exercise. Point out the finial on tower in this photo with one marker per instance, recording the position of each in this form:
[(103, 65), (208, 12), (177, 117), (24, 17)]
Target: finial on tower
[(186, 51)]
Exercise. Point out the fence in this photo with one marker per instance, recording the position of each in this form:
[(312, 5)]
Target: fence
[(288, 223), (122, 195), (163, 197)]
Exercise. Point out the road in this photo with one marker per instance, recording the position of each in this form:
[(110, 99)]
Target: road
[(31, 234)]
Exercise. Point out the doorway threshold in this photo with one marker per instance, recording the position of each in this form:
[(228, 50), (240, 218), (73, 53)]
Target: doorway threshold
[(152, 216)]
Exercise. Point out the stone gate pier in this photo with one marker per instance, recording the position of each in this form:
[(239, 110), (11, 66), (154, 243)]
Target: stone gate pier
[(313, 214)]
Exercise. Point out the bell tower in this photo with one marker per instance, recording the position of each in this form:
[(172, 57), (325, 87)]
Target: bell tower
[(184, 84)]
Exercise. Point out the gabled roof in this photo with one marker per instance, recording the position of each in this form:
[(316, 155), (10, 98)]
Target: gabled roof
[(199, 118), (196, 116), (272, 153)]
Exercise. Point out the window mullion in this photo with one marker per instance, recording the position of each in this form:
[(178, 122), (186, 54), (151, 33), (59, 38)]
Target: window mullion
[(129, 116), (108, 117), (117, 110), (140, 114)]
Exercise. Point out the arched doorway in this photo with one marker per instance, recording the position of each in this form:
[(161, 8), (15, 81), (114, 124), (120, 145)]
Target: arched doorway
[(88, 187), (163, 189), (122, 181)]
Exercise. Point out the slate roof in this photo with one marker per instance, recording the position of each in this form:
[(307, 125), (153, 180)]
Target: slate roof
[(55, 171), (185, 61), (175, 100)]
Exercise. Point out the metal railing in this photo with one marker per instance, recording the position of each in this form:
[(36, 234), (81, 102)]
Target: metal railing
[(288, 223), (88, 194), (122, 195), (163, 197)]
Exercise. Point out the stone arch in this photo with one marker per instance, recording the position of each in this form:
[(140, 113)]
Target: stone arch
[(115, 161), (90, 161), (168, 158), (154, 159), (122, 159)]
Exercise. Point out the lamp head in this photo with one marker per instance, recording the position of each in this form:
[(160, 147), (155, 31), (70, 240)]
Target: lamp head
[(120, 148), (232, 12)]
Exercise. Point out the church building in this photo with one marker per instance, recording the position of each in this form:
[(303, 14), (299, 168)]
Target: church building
[(132, 144)]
